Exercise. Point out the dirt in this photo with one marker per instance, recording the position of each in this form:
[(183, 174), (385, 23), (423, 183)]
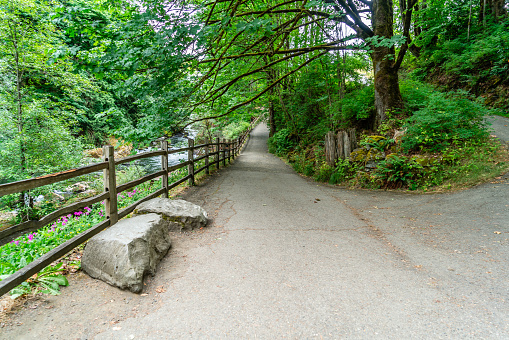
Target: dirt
[(106, 306)]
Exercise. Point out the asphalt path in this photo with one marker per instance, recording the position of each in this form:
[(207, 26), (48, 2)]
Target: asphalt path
[(286, 257), (500, 127)]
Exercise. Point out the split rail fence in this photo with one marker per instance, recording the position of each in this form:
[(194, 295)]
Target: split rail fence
[(214, 153)]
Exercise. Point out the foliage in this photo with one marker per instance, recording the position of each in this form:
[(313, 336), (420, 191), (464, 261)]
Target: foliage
[(358, 104), (301, 163), (235, 129), (281, 142), (27, 248), (446, 118), (47, 281), (397, 171)]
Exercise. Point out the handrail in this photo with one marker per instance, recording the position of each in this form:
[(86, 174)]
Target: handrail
[(29, 184)]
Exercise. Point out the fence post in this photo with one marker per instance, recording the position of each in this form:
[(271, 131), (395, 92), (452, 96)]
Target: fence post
[(206, 155), (229, 151), (164, 167), (224, 151), (190, 157), (110, 185), (217, 153), (233, 149)]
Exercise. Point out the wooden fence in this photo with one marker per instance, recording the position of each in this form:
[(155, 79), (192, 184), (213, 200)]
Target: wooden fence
[(221, 150), (339, 145)]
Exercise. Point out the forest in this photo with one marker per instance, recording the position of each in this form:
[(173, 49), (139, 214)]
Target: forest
[(415, 79)]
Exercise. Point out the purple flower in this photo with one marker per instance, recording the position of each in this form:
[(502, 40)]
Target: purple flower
[(31, 237), (16, 242)]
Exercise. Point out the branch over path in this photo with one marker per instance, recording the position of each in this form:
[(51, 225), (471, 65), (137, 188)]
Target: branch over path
[(286, 257)]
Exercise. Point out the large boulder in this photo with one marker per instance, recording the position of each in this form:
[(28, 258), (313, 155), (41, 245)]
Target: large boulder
[(124, 253), (181, 214)]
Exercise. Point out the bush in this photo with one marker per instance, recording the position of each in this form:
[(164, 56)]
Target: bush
[(343, 171), (447, 117), (324, 173), (280, 143), (235, 129), (398, 171), (358, 104)]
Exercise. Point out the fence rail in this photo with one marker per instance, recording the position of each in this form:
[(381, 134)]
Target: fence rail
[(228, 149)]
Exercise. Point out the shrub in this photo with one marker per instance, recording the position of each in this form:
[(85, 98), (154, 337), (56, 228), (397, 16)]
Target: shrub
[(324, 173), (235, 129), (280, 143), (447, 117), (358, 104), (342, 172), (397, 171)]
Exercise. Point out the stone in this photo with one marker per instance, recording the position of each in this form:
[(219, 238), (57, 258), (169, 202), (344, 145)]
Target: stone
[(181, 214), (78, 187), (374, 139), (424, 161), (398, 135), (375, 155), (358, 155), (124, 253)]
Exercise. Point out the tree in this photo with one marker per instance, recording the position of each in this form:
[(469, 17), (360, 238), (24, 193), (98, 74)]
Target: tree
[(250, 30), (36, 138)]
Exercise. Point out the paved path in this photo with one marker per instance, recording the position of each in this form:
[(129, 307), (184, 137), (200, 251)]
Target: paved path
[(286, 257), (500, 127)]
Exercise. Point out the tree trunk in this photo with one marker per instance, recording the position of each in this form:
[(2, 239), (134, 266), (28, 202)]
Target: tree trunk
[(387, 94), (272, 123), (495, 8)]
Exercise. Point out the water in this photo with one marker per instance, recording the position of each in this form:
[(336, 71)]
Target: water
[(153, 164), (149, 164)]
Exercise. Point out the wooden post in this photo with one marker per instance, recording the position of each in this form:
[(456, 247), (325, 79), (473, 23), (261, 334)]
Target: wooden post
[(233, 148), (190, 157), (207, 156), (229, 150), (217, 153), (110, 185), (164, 166), (331, 154), (346, 145), (223, 143), (341, 145)]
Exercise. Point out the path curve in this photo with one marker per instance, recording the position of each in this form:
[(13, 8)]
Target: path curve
[(286, 257)]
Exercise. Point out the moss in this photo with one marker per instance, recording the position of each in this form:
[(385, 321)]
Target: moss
[(424, 160), (375, 155), (359, 155), (374, 139)]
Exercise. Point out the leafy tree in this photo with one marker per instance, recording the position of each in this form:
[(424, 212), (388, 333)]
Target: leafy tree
[(36, 136)]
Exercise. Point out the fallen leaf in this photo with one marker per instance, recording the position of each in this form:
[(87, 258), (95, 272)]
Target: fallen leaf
[(160, 289), (497, 232), (117, 328), (144, 294)]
